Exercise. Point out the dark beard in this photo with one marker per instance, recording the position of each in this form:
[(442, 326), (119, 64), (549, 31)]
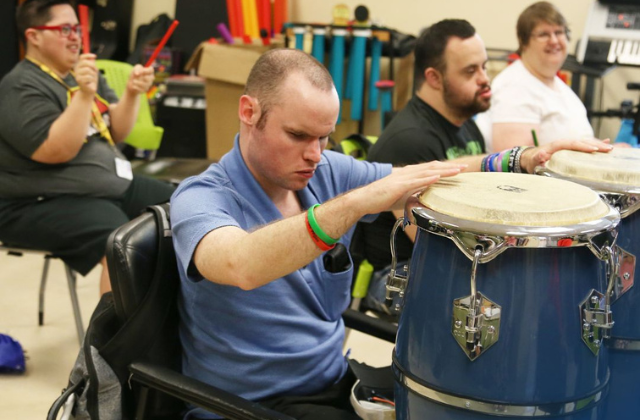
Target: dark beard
[(468, 110)]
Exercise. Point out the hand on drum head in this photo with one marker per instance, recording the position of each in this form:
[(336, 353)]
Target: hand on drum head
[(538, 156), (392, 191)]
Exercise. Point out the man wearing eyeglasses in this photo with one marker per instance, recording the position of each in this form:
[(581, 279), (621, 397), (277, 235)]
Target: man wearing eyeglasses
[(64, 185)]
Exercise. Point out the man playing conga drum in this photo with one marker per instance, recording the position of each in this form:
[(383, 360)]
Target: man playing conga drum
[(451, 87), (260, 312)]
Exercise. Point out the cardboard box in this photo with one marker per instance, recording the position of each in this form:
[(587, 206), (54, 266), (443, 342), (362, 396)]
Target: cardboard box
[(225, 69)]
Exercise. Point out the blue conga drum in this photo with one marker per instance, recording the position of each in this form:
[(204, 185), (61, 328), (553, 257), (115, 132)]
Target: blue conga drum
[(616, 176), (505, 304)]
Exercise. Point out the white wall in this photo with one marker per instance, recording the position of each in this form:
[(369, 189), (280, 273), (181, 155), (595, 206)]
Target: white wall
[(145, 10), (494, 20)]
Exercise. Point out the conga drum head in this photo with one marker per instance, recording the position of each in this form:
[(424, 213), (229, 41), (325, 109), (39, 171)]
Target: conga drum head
[(620, 167), (514, 199), (504, 210)]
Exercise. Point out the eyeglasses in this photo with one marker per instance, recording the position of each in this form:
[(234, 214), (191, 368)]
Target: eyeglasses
[(63, 30), (546, 36)]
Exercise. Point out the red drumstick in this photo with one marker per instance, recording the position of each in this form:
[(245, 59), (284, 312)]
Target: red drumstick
[(163, 41), (237, 4), (231, 15), (83, 11)]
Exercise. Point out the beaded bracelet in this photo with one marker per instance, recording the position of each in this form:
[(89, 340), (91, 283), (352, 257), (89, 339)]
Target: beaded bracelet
[(311, 218), (512, 158), (517, 166)]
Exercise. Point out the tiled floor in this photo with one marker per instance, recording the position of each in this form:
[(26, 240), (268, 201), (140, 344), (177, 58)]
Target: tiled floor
[(52, 348)]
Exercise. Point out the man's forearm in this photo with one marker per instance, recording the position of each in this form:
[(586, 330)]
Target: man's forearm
[(229, 255), (472, 162), (123, 115), (67, 133), (250, 260)]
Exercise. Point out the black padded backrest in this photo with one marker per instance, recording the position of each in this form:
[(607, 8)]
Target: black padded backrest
[(145, 282), (134, 262), (132, 252)]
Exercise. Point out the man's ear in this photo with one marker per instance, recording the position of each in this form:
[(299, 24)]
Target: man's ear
[(249, 110), (434, 78), (31, 36)]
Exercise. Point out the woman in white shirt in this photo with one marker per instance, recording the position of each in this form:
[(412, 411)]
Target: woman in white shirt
[(529, 99)]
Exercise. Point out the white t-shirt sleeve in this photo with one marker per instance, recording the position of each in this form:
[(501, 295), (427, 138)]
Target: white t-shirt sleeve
[(515, 104)]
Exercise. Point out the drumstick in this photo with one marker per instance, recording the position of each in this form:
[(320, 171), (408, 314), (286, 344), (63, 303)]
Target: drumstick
[(237, 4), (253, 16), (246, 18), (535, 138), (224, 32), (278, 15), (231, 16), (163, 41), (83, 11)]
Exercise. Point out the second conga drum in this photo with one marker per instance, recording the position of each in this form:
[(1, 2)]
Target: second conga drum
[(616, 176), (504, 302)]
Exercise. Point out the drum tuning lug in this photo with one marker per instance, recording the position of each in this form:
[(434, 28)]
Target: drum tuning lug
[(597, 320), (396, 283), (479, 316), (624, 265)]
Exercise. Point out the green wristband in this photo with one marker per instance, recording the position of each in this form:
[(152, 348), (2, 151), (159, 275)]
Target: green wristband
[(505, 161), (316, 228)]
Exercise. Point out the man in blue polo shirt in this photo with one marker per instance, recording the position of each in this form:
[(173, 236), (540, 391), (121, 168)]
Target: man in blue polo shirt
[(265, 324), (260, 312)]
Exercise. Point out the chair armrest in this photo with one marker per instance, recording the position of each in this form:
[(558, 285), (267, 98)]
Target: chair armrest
[(370, 325), (225, 404)]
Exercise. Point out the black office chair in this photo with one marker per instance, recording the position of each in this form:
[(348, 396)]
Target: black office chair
[(144, 274)]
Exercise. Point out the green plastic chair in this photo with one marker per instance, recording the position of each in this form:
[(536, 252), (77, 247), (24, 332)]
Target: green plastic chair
[(356, 146), (145, 135)]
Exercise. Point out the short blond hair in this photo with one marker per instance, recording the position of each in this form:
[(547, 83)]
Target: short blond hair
[(272, 69)]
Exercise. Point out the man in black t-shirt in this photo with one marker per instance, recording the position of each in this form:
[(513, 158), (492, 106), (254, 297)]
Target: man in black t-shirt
[(451, 87), (64, 184)]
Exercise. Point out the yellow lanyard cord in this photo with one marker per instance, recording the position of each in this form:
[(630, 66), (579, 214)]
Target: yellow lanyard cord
[(96, 115)]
